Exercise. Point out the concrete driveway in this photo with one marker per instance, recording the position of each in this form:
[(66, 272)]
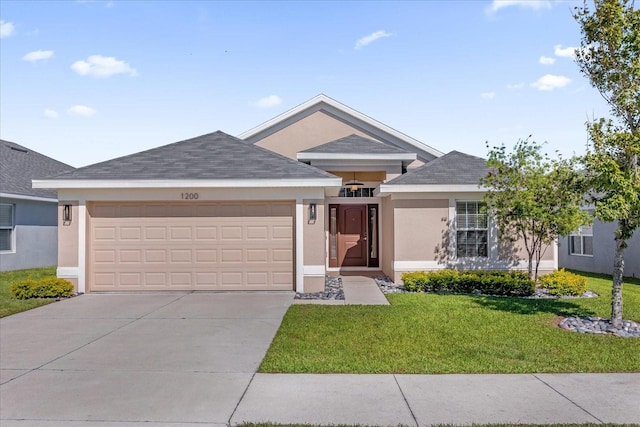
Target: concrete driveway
[(162, 358)]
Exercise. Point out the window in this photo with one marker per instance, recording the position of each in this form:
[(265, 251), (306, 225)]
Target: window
[(6, 227), (581, 241), (472, 231), (360, 192)]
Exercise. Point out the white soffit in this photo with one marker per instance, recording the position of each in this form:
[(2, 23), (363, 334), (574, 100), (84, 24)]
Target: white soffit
[(22, 197), (230, 183), (468, 188)]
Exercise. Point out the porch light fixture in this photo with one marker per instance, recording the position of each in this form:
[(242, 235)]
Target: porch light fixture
[(354, 185), (66, 214), (312, 212)]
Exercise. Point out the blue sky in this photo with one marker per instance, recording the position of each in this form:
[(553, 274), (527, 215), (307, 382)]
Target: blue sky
[(86, 81)]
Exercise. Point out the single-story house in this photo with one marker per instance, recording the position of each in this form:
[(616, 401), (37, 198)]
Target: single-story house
[(592, 248), (28, 216), (321, 188)]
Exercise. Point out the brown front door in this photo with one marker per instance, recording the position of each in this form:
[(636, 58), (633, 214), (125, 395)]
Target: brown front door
[(352, 237)]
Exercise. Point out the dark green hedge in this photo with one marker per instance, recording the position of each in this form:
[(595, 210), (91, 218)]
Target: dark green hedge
[(512, 283)]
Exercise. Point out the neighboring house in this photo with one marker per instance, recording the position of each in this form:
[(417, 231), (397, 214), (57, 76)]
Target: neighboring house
[(592, 248), (321, 188), (28, 216)]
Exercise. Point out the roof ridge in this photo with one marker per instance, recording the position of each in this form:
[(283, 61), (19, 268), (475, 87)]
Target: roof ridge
[(148, 150), (32, 151), (212, 156), (467, 169)]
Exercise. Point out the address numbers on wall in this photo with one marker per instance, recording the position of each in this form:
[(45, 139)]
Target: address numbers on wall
[(189, 196)]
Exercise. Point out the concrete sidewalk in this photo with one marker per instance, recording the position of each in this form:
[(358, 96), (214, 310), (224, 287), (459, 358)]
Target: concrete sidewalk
[(420, 400)]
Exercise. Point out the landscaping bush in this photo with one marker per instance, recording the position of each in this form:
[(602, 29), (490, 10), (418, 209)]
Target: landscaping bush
[(48, 287), (514, 283), (413, 282), (564, 283)]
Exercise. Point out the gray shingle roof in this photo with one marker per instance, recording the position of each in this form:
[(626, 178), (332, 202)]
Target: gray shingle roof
[(19, 165), (454, 168), (213, 156), (355, 144)]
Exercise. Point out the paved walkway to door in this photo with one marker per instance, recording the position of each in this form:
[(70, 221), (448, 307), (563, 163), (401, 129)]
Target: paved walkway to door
[(358, 290)]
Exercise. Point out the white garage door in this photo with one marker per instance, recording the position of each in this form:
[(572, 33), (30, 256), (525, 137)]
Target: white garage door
[(193, 246)]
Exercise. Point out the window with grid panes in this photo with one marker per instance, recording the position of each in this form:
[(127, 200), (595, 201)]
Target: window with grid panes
[(6, 226), (472, 229), (581, 241)]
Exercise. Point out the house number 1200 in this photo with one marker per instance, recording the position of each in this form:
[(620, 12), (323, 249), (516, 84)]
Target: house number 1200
[(189, 196)]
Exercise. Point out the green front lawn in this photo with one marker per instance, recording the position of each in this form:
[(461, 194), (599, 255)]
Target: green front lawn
[(8, 303), (431, 334), (444, 425)]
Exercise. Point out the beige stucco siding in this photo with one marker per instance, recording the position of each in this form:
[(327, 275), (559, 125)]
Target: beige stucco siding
[(68, 236), (311, 131), (420, 226), (388, 238), (423, 238), (516, 250), (314, 235), (372, 177)]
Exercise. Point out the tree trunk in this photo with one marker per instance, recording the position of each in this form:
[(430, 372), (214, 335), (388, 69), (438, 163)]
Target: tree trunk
[(616, 291), (530, 267), (535, 277)]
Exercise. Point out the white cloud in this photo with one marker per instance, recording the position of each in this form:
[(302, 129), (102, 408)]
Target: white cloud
[(564, 52), (371, 38), (51, 114), (102, 67), (6, 29), (38, 55), (81, 110), (550, 82), (496, 5), (515, 86), (108, 3), (268, 102), (488, 95), (547, 60)]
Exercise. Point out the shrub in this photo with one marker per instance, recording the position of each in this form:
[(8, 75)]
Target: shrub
[(48, 287), (515, 283), (413, 282), (564, 283)]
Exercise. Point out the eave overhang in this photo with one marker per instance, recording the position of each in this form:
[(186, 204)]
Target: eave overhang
[(25, 197), (196, 183), (357, 156), (385, 190)]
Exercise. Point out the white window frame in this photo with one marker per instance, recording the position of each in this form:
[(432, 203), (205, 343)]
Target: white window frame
[(11, 228), (486, 229)]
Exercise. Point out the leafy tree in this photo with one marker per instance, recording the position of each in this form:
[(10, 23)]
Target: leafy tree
[(534, 199), (609, 56)]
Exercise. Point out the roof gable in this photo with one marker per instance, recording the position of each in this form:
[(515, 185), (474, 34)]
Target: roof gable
[(214, 156), (454, 168), (20, 165), (355, 119)]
